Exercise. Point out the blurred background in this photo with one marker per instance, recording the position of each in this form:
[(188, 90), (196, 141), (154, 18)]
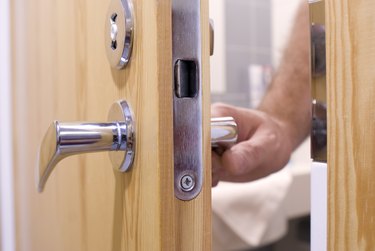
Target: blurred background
[(250, 36)]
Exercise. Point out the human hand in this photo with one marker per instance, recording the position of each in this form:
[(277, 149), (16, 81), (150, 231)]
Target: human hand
[(263, 147)]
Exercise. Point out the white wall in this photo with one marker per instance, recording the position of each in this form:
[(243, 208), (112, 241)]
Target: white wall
[(319, 193), (6, 176), (283, 12), (217, 62)]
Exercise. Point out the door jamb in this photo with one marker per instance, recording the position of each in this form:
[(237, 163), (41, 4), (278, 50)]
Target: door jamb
[(7, 231)]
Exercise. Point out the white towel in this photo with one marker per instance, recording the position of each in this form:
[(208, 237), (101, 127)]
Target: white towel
[(245, 211)]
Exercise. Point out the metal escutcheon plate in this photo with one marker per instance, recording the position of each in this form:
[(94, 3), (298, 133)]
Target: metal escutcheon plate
[(119, 29), (120, 112)]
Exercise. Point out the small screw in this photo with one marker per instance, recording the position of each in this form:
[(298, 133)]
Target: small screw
[(187, 183)]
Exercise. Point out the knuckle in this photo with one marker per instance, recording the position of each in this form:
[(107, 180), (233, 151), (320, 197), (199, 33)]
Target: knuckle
[(220, 109)]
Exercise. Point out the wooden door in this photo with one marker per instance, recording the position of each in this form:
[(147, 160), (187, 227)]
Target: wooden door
[(350, 26), (60, 71)]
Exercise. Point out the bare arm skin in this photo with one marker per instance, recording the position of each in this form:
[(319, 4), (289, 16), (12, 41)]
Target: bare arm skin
[(269, 134)]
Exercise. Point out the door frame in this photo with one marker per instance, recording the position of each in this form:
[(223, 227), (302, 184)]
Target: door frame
[(6, 155)]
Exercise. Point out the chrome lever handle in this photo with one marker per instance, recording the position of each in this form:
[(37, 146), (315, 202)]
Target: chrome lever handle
[(224, 132), (66, 139), (118, 137)]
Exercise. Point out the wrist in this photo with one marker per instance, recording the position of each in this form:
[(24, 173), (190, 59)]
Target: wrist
[(288, 135)]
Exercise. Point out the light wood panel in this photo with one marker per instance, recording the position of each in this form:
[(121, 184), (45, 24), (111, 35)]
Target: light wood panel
[(351, 124), (60, 72)]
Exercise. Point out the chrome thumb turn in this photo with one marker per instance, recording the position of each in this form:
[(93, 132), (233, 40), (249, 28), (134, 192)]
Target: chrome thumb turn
[(65, 139)]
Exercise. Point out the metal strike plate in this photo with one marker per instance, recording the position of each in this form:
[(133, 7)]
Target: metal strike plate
[(187, 99), (319, 132), (119, 29), (212, 37), (318, 81)]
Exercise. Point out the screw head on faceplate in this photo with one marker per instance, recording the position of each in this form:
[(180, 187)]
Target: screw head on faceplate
[(187, 183)]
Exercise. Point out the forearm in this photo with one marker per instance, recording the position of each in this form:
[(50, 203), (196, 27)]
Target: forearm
[(267, 136), (288, 98)]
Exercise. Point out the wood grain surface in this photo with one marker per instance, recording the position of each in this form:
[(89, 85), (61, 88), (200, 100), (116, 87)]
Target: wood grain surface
[(60, 72), (351, 124)]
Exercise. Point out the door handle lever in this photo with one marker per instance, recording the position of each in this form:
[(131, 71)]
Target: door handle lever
[(66, 139), (118, 137), (224, 133)]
